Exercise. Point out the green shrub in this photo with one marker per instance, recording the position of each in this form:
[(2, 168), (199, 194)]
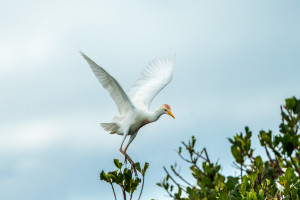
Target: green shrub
[(277, 177)]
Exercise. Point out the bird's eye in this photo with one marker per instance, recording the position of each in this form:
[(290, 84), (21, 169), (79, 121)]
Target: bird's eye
[(165, 109)]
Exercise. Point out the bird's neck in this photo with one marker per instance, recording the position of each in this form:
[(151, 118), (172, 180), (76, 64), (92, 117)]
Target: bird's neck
[(156, 114)]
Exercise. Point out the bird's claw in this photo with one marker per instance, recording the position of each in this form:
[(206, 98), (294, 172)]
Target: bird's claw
[(133, 169)]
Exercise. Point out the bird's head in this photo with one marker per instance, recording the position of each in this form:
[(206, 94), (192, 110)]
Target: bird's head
[(167, 110)]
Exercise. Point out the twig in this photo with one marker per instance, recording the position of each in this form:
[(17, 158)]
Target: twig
[(170, 194), (183, 158), (197, 153), (269, 189), (178, 175), (238, 167), (268, 154), (207, 156), (179, 186), (123, 191), (113, 190), (142, 188), (282, 119), (296, 168), (297, 155), (241, 161)]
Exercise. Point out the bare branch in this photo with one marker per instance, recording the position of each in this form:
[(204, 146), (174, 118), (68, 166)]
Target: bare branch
[(178, 185), (178, 175), (206, 156), (296, 168), (282, 119), (268, 154), (123, 191), (113, 190), (241, 161), (238, 167), (142, 188), (183, 158)]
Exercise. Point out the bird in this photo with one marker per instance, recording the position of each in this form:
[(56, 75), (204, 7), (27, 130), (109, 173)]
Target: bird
[(134, 106)]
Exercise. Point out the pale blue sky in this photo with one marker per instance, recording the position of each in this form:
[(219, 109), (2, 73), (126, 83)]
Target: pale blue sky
[(236, 63)]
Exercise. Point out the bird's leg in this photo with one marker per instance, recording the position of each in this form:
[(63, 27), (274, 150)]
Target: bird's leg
[(125, 161), (126, 155), (125, 135), (131, 162), (124, 152)]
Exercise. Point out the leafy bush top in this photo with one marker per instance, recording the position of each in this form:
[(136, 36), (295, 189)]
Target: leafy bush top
[(277, 177)]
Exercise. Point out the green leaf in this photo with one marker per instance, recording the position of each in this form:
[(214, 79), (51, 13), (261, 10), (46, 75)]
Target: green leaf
[(289, 173), (252, 177), (291, 103), (261, 194), (104, 176), (230, 183), (138, 167), (178, 194), (245, 180), (252, 195), (179, 150), (112, 176), (223, 196), (294, 194), (145, 168), (287, 144), (128, 175), (258, 163), (231, 140), (297, 107), (243, 189), (118, 164), (120, 178), (248, 132), (268, 182), (236, 153)]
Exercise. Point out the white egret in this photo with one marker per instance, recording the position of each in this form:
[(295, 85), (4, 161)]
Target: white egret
[(134, 107)]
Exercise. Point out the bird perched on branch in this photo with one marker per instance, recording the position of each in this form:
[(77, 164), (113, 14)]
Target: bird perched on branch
[(134, 107)]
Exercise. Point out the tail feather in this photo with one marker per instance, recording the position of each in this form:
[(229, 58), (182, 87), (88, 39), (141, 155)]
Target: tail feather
[(110, 127)]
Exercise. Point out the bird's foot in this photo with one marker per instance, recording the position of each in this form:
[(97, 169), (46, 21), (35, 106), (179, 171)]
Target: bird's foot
[(133, 169)]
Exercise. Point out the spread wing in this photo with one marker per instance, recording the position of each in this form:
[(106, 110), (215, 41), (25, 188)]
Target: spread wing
[(113, 87), (155, 77)]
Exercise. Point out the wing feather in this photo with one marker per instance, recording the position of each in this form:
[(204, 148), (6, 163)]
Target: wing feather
[(154, 78), (113, 87)]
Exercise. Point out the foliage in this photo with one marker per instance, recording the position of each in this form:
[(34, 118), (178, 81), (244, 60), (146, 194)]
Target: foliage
[(125, 179), (258, 179)]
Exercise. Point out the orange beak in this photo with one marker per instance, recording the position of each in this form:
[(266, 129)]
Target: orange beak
[(171, 114)]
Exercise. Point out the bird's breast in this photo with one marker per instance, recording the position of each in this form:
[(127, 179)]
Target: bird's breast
[(146, 121), (136, 127)]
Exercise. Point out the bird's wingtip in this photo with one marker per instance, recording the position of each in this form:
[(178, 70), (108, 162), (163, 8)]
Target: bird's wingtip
[(81, 53)]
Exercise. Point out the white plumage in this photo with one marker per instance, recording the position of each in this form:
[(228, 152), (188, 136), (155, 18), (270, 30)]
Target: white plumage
[(134, 107)]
